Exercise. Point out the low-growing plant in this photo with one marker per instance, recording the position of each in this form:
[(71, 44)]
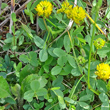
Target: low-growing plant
[(62, 67)]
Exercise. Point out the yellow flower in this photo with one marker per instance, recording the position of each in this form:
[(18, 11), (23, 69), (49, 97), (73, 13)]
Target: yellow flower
[(78, 14), (103, 71), (99, 43), (44, 8), (66, 8)]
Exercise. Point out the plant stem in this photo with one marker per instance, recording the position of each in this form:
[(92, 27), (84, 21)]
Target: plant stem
[(74, 87), (14, 33), (94, 22), (45, 24), (93, 33), (75, 54), (51, 23)]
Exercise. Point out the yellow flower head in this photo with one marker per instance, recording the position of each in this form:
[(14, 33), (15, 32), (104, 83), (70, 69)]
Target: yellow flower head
[(44, 8), (66, 8), (103, 71), (78, 14), (99, 43)]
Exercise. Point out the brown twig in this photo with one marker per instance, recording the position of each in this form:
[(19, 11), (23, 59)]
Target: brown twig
[(16, 12)]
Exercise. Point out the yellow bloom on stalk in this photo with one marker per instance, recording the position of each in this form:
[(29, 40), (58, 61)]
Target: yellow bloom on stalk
[(66, 8), (78, 14), (99, 43), (103, 71), (44, 8)]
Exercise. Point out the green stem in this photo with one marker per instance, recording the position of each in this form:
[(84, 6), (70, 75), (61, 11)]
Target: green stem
[(93, 33), (75, 54), (51, 23), (46, 40), (45, 24), (14, 33), (74, 88)]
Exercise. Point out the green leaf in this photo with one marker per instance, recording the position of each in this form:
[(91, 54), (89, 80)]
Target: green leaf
[(50, 51), (71, 61), (13, 16), (101, 86), (78, 30), (35, 85), (108, 12), (8, 40), (4, 88), (35, 4), (99, 3), (14, 48), (2, 107), (37, 105), (4, 74), (41, 24), (3, 5), (59, 94), (16, 90), (10, 100), (67, 43), (6, 47), (75, 72), (19, 66), (85, 98), (43, 55), (103, 52), (67, 68), (29, 95), (41, 92), (42, 81), (103, 97), (26, 83), (27, 70), (24, 58), (61, 102), (105, 106), (56, 70), (27, 30), (39, 42), (57, 81), (59, 52), (84, 105), (29, 5), (33, 58), (62, 60), (55, 88), (70, 100), (31, 17), (21, 40), (82, 40)]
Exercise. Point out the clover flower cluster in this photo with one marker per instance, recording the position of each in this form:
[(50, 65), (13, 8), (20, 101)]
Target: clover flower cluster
[(77, 13), (103, 71), (44, 8), (99, 43), (81, 60)]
